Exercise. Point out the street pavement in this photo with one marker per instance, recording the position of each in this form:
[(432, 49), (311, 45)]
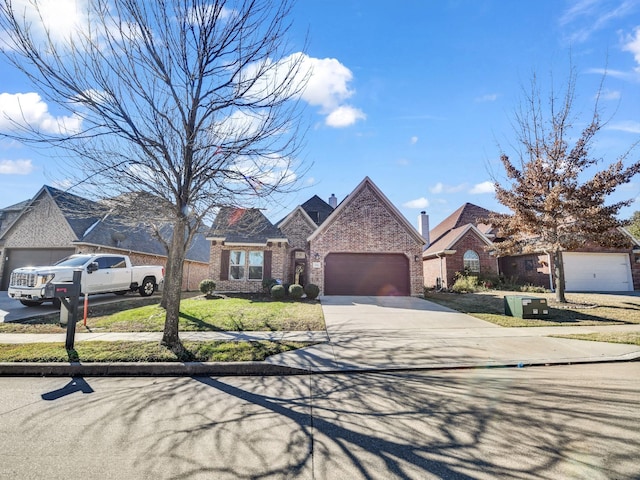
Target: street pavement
[(534, 423), (367, 334)]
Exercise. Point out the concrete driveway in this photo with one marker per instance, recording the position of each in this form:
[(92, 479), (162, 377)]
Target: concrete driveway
[(389, 333)]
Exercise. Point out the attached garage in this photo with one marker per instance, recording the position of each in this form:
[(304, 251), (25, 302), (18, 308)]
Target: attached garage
[(367, 274), (30, 257), (597, 272)]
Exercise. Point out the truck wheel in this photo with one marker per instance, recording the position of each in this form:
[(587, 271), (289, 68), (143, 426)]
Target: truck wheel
[(147, 288), (31, 303)]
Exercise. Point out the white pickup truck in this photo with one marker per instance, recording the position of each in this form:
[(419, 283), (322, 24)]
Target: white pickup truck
[(101, 273)]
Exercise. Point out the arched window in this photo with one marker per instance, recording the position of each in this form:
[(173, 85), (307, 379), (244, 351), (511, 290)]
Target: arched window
[(471, 261)]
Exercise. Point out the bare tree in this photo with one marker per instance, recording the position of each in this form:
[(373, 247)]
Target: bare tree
[(191, 101), (555, 208)]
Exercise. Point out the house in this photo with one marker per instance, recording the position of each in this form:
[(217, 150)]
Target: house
[(462, 243), (55, 224), (363, 246)]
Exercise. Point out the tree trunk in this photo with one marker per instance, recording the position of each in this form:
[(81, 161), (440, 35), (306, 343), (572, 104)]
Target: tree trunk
[(173, 288), (558, 276)]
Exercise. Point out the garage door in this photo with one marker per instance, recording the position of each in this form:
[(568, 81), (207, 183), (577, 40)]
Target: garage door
[(597, 272), (30, 257), (366, 274)]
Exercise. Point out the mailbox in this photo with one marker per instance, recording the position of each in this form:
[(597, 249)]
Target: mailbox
[(526, 307), (62, 290)]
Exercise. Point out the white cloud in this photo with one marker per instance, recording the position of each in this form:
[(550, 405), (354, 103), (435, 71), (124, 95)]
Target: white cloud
[(15, 167), (417, 203), (628, 126), (325, 81), (484, 187), (489, 97), (414, 140), (403, 162), (28, 109), (442, 188), (632, 44), (344, 116), (610, 95), (585, 17)]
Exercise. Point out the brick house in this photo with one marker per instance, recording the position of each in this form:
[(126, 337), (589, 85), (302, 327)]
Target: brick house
[(457, 244), (364, 246), (461, 242), (55, 224)]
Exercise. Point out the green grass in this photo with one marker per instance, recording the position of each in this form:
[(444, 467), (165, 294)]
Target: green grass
[(583, 309), (198, 314), (99, 351), (632, 338)]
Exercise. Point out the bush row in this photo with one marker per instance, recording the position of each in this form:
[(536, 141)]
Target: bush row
[(277, 291)]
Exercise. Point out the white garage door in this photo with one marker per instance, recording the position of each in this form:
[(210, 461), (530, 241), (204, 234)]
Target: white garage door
[(597, 272)]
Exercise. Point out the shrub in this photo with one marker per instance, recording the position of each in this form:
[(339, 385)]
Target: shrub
[(464, 284), (296, 291), (312, 291), (207, 286), (267, 283), (533, 289), (277, 292)]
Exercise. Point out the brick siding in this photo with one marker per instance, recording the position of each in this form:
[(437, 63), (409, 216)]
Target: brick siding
[(278, 260), (366, 225)]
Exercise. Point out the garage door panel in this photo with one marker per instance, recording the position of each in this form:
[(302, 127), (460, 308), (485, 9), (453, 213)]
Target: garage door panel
[(597, 272), (366, 274)]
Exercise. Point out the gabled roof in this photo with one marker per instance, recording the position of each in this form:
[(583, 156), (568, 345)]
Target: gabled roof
[(367, 183), (317, 209), (92, 224), (449, 239), (304, 215), (466, 214), (79, 212), (245, 226)]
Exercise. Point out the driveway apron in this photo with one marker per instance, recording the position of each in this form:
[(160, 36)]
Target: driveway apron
[(387, 333)]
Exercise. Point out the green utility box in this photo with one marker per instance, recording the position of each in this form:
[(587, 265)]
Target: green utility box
[(525, 307)]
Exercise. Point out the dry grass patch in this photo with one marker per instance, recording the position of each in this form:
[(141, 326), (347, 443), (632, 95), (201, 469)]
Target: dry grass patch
[(632, 338), (145, 352), (582, 309)]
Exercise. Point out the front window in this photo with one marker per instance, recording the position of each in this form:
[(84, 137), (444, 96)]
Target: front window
[(471, 261), (236, 265), (256, 265)]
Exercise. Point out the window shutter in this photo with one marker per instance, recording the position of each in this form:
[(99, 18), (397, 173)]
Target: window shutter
[(267, 264), (224, 265)]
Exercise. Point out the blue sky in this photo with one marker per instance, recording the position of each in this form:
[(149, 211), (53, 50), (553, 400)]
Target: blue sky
[(420, 95)]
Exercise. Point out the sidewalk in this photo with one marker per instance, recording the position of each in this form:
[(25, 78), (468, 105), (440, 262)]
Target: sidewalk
[(365, 334)]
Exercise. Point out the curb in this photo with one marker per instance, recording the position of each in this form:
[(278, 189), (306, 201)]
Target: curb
[(159, 369), (227, 369)]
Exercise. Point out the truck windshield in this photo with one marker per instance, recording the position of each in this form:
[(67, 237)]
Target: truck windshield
[(72, 262)]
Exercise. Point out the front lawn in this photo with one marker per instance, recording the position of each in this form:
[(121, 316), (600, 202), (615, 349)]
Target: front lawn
[(99, 351), (241, 313), (582, 309)]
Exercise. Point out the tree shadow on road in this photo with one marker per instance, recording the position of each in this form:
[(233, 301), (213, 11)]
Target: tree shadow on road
[(507, 423)]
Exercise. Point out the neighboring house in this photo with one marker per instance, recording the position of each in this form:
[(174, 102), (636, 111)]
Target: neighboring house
[(55, 224), (462, 243), (459, 244), (364, 246)]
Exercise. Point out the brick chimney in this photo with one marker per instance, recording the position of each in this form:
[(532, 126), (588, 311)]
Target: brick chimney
[(333, 201), (423, 226)]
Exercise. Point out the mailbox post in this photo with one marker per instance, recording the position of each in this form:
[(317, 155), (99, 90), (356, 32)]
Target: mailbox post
[(68, 293)]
